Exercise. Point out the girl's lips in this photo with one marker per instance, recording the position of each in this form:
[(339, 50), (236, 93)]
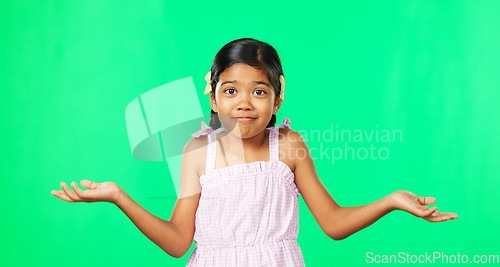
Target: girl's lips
[(244, 119)]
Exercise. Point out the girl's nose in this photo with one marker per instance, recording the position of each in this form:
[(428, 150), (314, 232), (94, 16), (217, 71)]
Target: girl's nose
[(244, 103)]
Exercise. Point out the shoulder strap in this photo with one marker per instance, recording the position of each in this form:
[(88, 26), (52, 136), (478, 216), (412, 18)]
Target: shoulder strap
[(211, 150), (274, 153)]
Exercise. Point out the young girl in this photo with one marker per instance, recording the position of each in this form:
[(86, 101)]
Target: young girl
[(240, 185)]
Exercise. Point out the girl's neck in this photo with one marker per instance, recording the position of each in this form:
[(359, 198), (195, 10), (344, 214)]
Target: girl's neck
[(236, 147)]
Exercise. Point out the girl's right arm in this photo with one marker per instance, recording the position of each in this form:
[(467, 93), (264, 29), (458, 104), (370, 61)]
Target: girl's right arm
[(174, 236)]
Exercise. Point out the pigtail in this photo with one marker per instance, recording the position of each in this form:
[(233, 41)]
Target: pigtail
[(272, 122), (214, 120)]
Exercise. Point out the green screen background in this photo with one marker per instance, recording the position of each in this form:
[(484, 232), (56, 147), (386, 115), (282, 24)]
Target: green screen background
[(429, 69)]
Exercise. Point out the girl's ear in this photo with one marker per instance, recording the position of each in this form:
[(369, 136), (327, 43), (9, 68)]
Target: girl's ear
[(277, 105), (282, 82), (212, 102)]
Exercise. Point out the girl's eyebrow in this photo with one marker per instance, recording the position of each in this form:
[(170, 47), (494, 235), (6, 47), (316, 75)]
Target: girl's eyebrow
[(256, 82)]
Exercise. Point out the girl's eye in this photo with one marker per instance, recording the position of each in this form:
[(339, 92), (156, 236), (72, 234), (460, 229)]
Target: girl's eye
[(232, 91), (262, 92)]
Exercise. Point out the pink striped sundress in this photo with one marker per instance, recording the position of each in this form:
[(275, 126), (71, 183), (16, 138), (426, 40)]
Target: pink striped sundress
[(248, 213)]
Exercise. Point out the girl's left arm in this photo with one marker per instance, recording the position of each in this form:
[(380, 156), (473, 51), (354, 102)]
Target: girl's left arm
[(340, 222)]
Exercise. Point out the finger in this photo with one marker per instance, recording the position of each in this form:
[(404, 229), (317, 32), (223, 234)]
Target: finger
[(435, 217), (450, 216), (61, 195), (440, 217), (428, 212), (426, 200), (69, 193), (89, 184), (86, 195), (81, 194)]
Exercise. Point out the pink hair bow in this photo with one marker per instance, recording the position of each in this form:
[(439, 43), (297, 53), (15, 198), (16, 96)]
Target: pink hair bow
[(284, 124), (206, 130)]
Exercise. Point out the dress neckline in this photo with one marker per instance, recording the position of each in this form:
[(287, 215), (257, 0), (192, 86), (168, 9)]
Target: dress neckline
[(258, 162)]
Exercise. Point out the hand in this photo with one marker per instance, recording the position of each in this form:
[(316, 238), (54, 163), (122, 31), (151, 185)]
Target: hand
[(107, 191), (409, 202)]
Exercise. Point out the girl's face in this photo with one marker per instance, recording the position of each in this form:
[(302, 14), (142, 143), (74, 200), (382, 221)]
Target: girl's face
[(244, 100)]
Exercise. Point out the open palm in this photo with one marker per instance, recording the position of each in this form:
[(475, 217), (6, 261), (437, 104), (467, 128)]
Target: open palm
[(411, 203), (107, 191)]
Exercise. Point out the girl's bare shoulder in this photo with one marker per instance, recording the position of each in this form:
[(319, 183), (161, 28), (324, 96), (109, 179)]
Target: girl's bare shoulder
[(289, 135), (290, 142), (195, 152)]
